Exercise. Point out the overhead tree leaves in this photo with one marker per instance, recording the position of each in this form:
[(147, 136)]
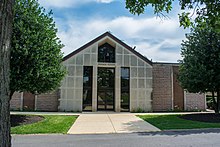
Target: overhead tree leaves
[(207, 11)]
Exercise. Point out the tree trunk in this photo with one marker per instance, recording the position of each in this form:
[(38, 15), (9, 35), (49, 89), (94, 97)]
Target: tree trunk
[(6, 19), (11, 94)]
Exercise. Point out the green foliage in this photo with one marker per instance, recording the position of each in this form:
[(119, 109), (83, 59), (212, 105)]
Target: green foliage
[(138, 6), (200, 68), (51, 124), (206, 11), (36, 50), (209, 102)]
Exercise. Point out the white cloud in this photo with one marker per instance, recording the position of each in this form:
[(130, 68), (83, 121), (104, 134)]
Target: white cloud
[(158, 54), (104, 1), (157, 40), (69, 3)]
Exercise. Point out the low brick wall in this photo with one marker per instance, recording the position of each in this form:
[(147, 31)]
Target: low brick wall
[(47, 101), (15, 103), (195, 101)]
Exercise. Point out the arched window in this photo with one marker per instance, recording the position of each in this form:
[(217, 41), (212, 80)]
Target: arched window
[(106, 53)]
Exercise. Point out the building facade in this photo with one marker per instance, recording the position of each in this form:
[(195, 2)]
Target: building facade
[(106, 74)]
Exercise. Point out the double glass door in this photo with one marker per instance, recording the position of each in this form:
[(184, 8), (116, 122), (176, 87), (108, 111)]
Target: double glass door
[(106, 86)]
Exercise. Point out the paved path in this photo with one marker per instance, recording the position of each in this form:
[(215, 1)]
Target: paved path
[(99, 123)]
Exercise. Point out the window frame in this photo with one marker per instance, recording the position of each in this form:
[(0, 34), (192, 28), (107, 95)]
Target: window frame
[(106, 50)]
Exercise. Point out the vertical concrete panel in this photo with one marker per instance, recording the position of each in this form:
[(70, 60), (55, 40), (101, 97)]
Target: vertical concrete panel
[(126, 60), (133, 71), (70, 82), (133, 99), (117, 89), (119, 50), (94, 90), (70, 93), (133, 60), (79, 71), (71, 61), (87, 59), (119, 60), (93, 59), (71, 70), (79, 59), (141, 72), (141, 62)]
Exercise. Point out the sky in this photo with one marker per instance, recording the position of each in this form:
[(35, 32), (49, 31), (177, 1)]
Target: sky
[(80, 21)]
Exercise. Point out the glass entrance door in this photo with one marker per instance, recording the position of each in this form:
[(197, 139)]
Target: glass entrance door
[(106, 86)]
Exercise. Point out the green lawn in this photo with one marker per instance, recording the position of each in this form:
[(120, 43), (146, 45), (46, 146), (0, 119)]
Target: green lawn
[(169, 122), (51, 124)]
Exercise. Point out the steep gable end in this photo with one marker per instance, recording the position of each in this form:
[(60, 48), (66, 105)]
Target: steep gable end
[(114, 39)]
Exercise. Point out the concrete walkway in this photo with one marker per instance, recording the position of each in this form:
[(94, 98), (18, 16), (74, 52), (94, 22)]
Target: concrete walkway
[(109, 122)]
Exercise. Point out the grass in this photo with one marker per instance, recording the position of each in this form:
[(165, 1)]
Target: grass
[(51, 124), (170, 122)]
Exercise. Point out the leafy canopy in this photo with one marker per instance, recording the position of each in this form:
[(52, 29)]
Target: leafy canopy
[(36, 50), (204, 10), (200, 68)]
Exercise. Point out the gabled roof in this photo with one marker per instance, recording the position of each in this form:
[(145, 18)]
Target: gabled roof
[(113, 38)]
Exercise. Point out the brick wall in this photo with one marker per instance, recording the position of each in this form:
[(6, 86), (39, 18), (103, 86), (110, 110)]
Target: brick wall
[(15, 103), (195, 101), (47, 101), (162, 87)]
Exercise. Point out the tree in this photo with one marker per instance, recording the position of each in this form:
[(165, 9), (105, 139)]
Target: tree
[(200, 68), (36, 50), (6, 20), (205, 10)]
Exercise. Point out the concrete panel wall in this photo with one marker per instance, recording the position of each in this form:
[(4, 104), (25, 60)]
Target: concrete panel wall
[(140, 78), (140, 82), (71, 90)]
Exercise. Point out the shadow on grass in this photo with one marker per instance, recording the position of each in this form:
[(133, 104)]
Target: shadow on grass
[(18, 120)]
